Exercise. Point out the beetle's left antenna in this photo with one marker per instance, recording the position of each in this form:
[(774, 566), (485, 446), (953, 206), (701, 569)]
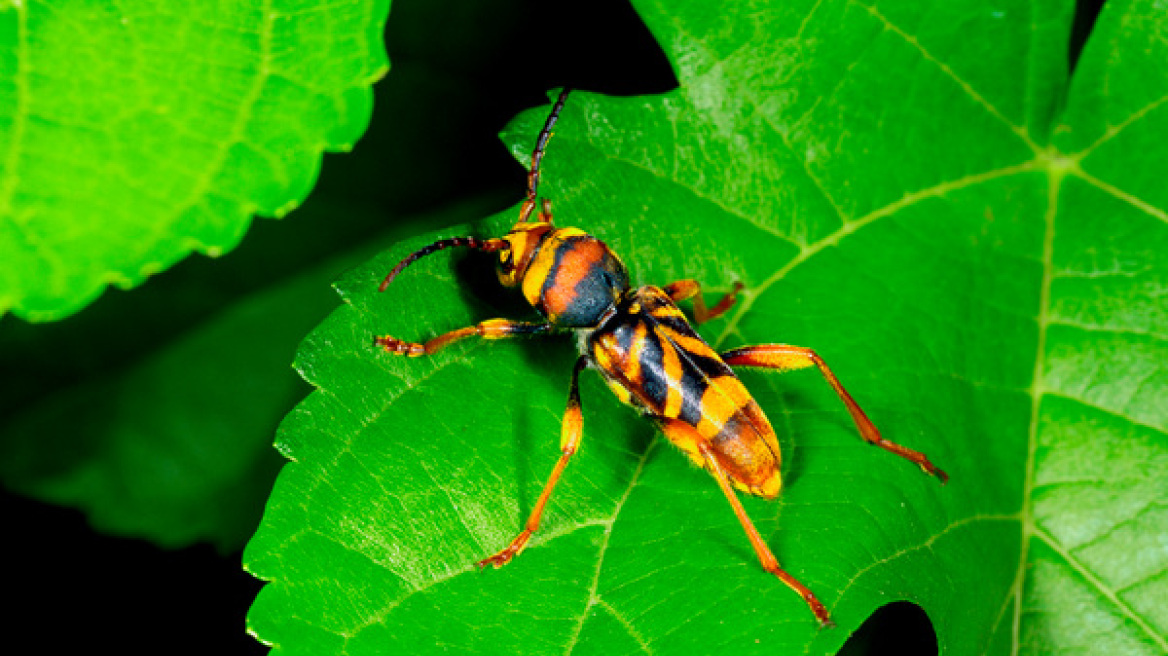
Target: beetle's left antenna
[(487, 245), (537, 155)]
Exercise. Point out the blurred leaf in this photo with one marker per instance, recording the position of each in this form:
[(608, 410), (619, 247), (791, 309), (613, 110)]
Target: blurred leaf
[(174, 445), (884, 181), (132, 134)]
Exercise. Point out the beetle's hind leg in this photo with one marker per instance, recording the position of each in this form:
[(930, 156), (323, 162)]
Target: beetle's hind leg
[(489, 329), (765, 556), (783, 357), (570, 432), (684, 289)]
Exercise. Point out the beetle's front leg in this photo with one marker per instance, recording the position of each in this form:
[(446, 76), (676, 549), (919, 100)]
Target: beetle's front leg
[(570, 431), (489, 329)]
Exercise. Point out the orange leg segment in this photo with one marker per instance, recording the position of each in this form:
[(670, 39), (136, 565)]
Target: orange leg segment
[(570, 433), (765, 555), (490, 329), (786, 358), (683, 289)]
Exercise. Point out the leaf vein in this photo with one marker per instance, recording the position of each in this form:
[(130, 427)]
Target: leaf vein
[(1019, 131), (1037, 391), (203, 184), (730, 211), (833, 239), (1113, 130), (1109, 411), (1127, 197), (926, 544), (593, 599), (629, 628), (1103, 589)]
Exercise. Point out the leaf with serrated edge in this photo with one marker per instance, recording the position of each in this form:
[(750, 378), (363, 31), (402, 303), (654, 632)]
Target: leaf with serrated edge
[(135, 132), (879, 177)]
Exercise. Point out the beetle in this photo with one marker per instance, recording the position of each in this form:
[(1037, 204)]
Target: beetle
[(648, 354)]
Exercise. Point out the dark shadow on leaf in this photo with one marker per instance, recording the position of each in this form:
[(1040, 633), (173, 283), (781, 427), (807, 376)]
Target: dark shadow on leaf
[(782, 405), (478, 284), (523, 460), (900, 628)]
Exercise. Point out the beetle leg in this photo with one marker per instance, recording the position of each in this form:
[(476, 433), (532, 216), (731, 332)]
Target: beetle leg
[(683, 289), (490, 329), (570, 432), (786, 358), (765, 555), (545, 211)]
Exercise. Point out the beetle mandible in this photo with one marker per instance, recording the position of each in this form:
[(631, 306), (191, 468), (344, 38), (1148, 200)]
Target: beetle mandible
[(648, 354)]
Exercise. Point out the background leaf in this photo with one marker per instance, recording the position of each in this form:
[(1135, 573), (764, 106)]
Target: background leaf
[(886, 185), (136, 132), (176, 445)]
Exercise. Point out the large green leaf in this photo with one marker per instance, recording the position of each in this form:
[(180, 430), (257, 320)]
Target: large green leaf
[(132, 133), (974, 244)]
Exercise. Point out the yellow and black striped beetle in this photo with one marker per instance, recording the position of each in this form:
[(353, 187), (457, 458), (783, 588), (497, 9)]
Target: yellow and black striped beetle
[(649, 356)]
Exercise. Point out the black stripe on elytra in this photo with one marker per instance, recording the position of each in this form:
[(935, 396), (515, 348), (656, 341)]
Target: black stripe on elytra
[(656, 380), (694, 383), (697, 369), (653, 378), (624, 328)]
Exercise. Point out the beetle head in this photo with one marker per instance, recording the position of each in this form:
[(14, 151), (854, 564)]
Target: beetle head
[(520, 245)]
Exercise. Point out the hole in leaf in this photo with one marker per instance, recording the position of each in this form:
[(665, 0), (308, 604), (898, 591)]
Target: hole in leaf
[(1086, 13), (900, 628)]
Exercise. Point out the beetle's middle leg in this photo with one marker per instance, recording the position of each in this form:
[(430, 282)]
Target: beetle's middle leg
[(489, 329), (786, 358), (570, 433), (683, 289)]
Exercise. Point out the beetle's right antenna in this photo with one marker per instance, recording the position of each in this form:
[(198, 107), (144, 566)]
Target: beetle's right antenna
[(540, 147), (488, 245)]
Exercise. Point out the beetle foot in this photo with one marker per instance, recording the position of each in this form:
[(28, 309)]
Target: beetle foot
[(503, 557), (400, 347), (498, 560)]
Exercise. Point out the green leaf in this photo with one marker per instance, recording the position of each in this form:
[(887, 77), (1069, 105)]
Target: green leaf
[(132, 134), (975, 243)]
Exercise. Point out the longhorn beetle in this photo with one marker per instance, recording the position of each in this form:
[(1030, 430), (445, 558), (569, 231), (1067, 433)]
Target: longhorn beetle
[(649, 356)]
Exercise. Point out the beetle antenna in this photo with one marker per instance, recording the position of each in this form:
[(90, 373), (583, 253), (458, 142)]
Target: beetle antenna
[(486, 245), (537, 155)]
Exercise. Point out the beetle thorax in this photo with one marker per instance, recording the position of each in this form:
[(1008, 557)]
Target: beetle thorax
[(573, 278)]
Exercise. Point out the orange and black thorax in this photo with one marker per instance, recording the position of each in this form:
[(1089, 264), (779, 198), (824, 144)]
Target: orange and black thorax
[(572, 278)]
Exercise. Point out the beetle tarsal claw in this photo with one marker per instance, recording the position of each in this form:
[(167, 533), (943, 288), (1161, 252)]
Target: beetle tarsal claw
[(498, 560), (399, 347)]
